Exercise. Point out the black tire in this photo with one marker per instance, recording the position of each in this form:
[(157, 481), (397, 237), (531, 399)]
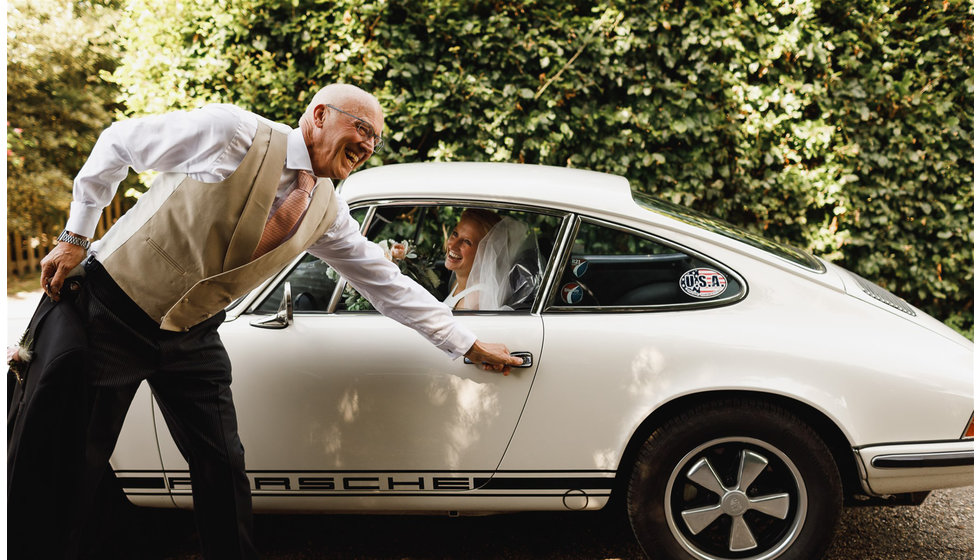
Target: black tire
[(687, 497)]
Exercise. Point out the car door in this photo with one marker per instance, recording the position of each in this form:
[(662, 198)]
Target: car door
[(346, 402)]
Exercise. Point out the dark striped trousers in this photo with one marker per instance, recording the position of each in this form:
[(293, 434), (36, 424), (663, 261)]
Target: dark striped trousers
[(189, 374)]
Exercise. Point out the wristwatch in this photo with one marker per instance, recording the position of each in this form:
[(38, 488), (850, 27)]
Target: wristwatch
[(69, 237)]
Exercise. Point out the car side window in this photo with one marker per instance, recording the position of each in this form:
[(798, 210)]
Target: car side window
[(312, 283), (415, 238), (612, 268)]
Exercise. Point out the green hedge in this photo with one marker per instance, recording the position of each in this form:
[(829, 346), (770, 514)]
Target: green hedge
[(842, 126), (56, 104)]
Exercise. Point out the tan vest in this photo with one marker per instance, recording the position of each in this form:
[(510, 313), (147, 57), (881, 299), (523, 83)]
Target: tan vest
[(184, 251)]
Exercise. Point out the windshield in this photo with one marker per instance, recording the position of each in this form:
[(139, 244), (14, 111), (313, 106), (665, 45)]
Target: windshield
[(710, 223)]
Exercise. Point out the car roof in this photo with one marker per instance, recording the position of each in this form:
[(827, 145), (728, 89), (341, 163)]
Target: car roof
[(561, 188), (558, 187), (586, 192)]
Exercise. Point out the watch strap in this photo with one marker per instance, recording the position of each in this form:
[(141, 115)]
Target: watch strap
[(73, 239)]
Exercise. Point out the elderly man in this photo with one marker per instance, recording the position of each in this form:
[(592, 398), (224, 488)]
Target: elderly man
[(240, 197)]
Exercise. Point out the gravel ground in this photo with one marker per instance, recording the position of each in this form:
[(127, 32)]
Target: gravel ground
[(939, 529)]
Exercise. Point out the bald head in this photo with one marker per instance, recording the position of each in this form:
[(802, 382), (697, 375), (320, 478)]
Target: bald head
[(341, 126), (341, 95)]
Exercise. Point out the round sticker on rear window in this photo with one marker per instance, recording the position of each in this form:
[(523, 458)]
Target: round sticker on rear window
[(703, 283), (572, 293)]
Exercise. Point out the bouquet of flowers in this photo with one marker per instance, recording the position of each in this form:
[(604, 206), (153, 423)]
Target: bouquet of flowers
[(403, 254)]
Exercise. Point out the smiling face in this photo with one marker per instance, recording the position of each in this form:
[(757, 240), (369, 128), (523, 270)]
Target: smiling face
[(461, 246), (339, 142)]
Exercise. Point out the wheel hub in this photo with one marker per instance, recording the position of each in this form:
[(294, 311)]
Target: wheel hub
[(735, 503)]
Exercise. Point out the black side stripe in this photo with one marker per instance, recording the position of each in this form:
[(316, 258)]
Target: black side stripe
[(141, 482), (496, 483), (507, 483)]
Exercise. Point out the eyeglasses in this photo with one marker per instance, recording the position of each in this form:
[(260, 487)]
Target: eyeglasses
[(363, 128)]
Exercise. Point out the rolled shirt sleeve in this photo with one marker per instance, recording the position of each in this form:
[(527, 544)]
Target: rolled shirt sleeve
[(392, 293), (191, 142)]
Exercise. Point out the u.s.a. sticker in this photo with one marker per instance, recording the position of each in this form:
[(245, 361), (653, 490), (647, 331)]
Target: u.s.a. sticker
[(703, 283)]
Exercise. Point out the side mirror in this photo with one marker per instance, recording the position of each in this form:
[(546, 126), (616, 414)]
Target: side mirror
[(284, 317)]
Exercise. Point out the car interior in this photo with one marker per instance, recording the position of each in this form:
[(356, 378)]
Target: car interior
[(607, 267)]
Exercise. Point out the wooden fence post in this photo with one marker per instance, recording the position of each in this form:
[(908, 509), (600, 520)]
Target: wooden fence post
[(24, 255)]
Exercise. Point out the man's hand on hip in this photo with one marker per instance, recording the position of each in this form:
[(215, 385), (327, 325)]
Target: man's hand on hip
[(493, 357), (56, 266)]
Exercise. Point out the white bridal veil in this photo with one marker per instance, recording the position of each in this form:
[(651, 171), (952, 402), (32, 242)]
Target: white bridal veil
[(506, 268)]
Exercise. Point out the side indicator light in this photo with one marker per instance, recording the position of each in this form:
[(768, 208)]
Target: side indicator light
[(969, 429)]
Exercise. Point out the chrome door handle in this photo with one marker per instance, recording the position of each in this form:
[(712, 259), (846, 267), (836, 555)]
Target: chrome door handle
[(526, 358)]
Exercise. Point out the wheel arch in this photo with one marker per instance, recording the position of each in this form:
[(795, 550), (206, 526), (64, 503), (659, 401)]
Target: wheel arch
[(832, 436)]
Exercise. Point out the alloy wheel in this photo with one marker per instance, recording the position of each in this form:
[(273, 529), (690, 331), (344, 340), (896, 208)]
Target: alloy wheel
[(735, 498)]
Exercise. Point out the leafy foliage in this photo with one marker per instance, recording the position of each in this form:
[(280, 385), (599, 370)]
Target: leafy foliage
[(842, 126), (57, 104)]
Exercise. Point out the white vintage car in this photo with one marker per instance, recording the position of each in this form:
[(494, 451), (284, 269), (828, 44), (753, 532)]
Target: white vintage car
[(731, 391)]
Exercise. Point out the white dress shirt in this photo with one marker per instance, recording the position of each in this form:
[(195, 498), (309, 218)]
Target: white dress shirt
[(208, 144)]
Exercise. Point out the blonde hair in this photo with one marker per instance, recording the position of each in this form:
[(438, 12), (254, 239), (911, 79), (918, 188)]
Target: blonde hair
[(486, 219)]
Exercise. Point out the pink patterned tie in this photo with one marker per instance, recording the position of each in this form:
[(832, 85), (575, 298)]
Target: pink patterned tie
[(285, 218)]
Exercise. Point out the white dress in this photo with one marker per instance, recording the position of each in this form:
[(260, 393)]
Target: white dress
[(452, 300)]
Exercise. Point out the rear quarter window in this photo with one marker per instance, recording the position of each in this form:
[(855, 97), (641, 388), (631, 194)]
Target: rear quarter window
[(616, 269)]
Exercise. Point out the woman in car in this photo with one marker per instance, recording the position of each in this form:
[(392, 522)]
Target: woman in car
[(461, 248), (485, 253)]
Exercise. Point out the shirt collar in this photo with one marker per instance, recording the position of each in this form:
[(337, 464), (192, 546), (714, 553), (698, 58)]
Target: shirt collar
[(297, 156)]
